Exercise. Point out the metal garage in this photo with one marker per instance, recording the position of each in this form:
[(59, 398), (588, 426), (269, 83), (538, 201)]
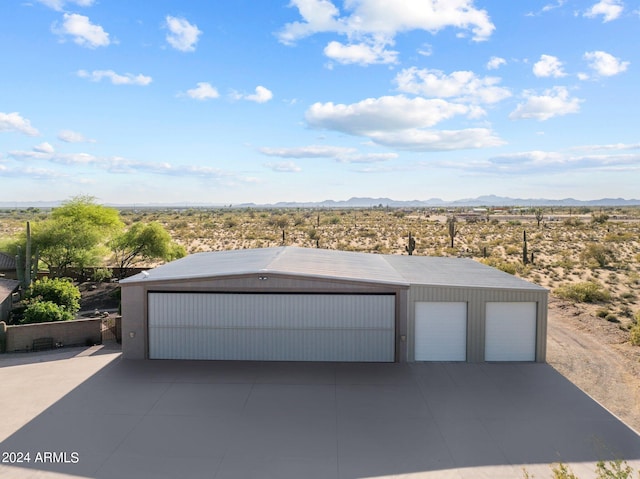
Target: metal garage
[(272, 327), (304, 304)]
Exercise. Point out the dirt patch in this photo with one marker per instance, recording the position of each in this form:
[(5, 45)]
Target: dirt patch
[(596, 356), (100, 296)]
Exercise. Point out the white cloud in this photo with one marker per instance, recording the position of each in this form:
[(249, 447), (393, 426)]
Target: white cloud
[(360, 53), (339, 153), (312, 151), (116, 79), (553, 102), (612, 146), (284, 167), (548, 66), (495, 62), (84, 33), (437, 140), (553, 6), (376, 23), (59, 5), (44, 148), (384, 113), (548, 163), (462, 85), (400, 122), (15, 122), (609, 9), (261, 95), (120, 165), (182, 35), (70, 136), (605, 64), (203, 91), (426, 50), (367, 158)]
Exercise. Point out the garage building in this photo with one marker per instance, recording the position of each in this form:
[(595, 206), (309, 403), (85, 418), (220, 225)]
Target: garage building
[(302, 304)]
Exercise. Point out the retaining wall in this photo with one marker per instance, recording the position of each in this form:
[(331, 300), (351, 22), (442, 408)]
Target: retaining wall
[(77, 332)]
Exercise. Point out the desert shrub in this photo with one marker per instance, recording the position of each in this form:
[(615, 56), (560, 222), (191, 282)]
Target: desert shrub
[(617, 469), (59, 291), (507, 267), (599, 218), (634, 336), (587, 292), (602, 313), (230, 222), (572, 222), (101, 275), (612, 318), (619, 237), (45, 312), (629, 296), (562, 471), (597, 254)]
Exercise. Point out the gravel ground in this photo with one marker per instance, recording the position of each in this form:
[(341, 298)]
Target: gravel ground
[(596, 356)]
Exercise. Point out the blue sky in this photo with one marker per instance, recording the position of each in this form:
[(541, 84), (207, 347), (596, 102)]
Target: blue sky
[(304, 100)]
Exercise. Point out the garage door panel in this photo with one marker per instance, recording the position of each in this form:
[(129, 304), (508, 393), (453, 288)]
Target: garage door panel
[(440, 331), (510, 331), (282, 327)]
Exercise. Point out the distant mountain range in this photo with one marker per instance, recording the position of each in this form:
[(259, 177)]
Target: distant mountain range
[(487, 200)]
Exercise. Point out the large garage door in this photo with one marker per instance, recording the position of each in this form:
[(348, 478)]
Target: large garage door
[(272, 327), (510, 332), (441, 331)]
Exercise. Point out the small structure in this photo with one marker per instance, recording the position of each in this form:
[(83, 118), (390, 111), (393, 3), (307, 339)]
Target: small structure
[(7, 289), (7, 266), (308, 304)]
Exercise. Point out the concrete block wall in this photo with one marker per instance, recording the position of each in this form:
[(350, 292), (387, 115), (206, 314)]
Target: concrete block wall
[(69, 333)]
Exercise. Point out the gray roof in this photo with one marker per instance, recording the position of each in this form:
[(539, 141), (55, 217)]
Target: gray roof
[(7, 262), (333, 264), (7, 286)]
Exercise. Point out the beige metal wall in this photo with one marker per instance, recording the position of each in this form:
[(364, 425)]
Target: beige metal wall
[(135, 302), (476, 299), (134, 307)]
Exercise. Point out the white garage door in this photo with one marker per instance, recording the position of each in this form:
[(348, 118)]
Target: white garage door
[(510, 332), (441, 331), (272, 327)]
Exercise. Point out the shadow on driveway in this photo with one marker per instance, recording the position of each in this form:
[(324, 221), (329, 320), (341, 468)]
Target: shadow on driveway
[(205, 419)]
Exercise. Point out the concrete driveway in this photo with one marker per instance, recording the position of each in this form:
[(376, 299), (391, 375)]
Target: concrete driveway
[(121, 419)]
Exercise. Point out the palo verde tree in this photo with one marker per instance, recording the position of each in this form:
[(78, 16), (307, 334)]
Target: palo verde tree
[(144, 242), (73, 234)]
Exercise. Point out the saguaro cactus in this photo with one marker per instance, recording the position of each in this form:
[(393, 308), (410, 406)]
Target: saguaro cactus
[(26, 266), (452, 225), (411, 246)]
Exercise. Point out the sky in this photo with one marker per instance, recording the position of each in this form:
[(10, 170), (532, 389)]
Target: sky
[(230, 102)]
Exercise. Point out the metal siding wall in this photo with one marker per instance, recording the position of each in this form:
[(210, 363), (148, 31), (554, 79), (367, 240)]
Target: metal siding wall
[(284, 327), (476, 300)]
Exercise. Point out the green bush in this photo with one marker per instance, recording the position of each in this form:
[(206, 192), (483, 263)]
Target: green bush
[(45, 312), (587, 292), (100, 275), (61, 292)]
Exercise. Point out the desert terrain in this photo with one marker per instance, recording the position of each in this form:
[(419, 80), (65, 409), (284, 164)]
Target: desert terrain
[(589, 335)]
